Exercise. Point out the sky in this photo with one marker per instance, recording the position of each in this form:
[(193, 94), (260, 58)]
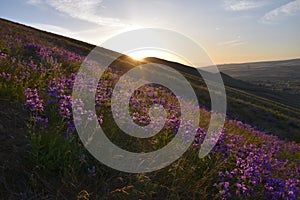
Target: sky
[(231, 31)]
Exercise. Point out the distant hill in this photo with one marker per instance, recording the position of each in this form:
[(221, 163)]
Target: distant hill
[(261, 71), (282, 76)]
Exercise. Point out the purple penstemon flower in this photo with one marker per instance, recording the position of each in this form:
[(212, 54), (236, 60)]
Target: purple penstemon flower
[(92, 171)]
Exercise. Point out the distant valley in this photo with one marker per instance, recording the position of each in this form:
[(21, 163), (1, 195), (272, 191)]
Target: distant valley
[(283, 76)]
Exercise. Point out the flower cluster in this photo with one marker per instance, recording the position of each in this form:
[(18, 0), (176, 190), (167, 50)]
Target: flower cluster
[(5, 76), (33, 102), (257, 167), (65, 106), (35, 105)]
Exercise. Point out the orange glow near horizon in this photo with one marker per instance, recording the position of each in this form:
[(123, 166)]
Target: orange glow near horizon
[(140, 54)]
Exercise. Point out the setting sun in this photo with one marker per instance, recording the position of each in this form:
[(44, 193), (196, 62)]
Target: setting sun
[(140, 54)]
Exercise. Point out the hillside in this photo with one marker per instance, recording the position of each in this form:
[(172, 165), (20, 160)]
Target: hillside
[(42, 156), (250, 103), (271, 110)]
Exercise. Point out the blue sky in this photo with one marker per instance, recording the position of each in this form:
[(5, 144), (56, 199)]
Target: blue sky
[(231, 31)]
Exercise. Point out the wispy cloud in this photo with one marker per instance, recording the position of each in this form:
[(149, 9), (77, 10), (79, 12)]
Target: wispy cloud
[(91, 35), (87, 10), (289, 9), (231, 43), (34, 2), (239, 5), (50, 28)]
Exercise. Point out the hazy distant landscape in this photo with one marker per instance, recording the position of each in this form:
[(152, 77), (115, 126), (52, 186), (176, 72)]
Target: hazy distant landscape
[(283, 76)]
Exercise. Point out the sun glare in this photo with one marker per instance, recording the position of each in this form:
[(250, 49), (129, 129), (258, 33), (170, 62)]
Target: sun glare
[(140, 54)]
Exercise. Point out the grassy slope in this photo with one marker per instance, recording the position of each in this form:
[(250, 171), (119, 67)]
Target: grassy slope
[(172, 181), (250, 103)]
